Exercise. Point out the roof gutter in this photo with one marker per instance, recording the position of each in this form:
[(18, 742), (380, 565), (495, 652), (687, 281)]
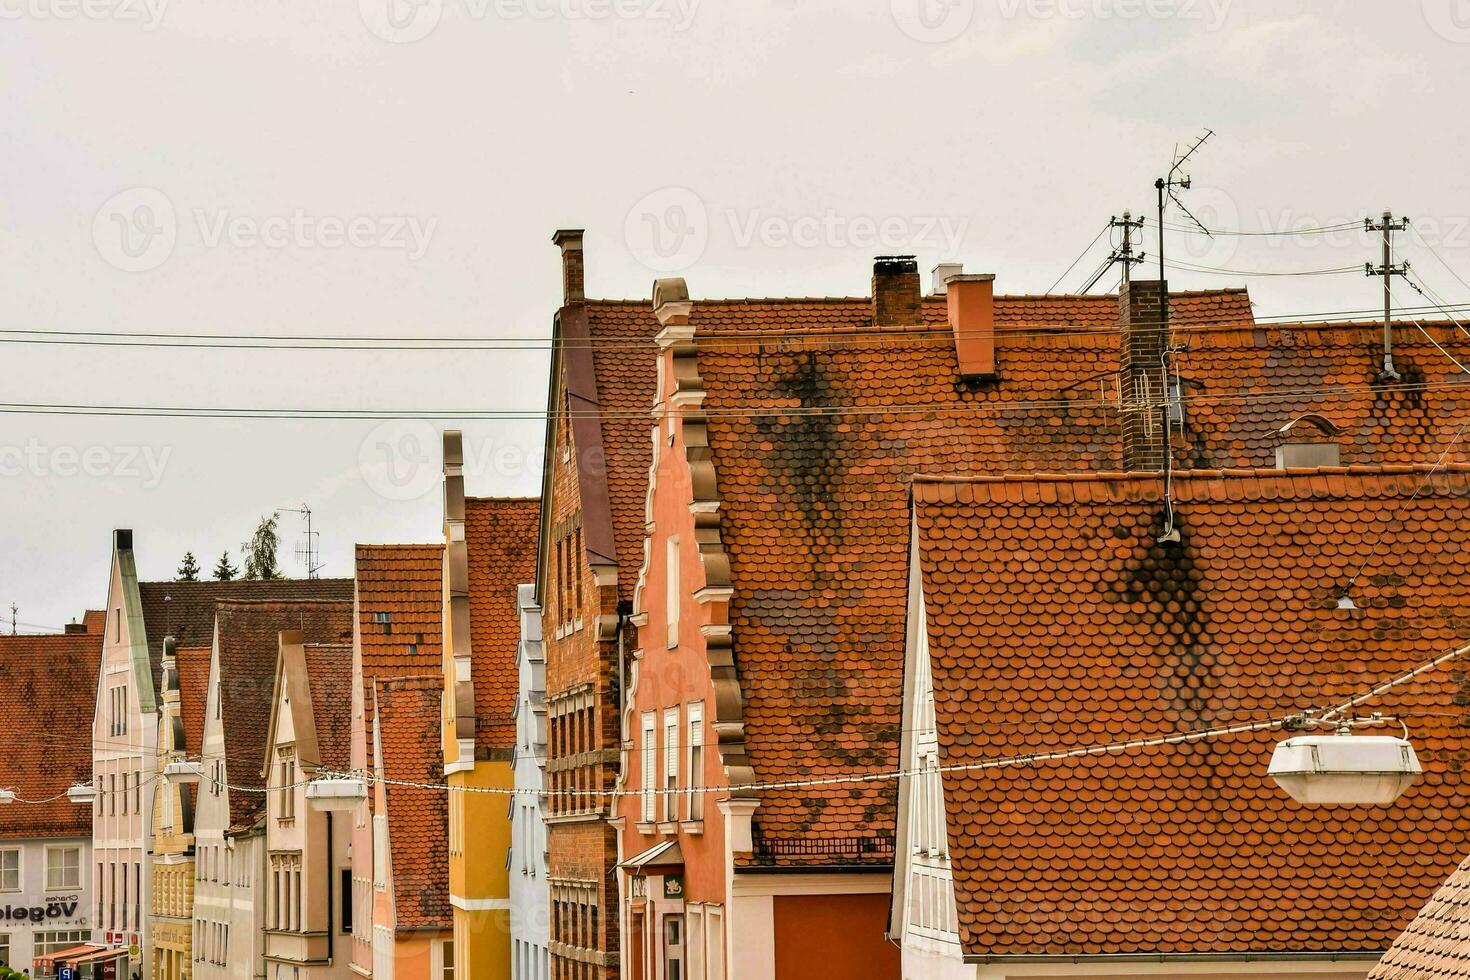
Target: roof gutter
[(1344, 956)]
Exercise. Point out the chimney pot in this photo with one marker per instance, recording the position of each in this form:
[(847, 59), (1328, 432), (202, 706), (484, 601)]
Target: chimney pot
[(573, 272), (943, 272), (971, 301), (74, 628), (898, 299)]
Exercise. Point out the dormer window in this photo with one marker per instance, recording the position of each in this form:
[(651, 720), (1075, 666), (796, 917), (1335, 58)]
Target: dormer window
[(1308, 442)]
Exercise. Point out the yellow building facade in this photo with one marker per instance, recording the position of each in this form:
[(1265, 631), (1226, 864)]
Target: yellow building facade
[(490, 547), (173, 867)]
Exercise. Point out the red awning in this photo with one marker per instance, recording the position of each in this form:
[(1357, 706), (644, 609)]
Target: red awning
[(97, 955), (65, 954)]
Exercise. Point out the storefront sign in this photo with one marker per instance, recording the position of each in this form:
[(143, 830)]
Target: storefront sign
[(673, 886), (63, 907)]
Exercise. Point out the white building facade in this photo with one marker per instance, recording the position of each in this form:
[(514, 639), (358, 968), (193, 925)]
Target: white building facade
[(45, 897), (124, 739), (530, 892)]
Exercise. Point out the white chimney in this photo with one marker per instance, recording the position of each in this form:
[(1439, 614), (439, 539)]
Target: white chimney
[(942, 272)]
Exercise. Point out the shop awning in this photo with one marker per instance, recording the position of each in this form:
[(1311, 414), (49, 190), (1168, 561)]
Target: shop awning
[(98, 954), (660, 857), (65, 954)]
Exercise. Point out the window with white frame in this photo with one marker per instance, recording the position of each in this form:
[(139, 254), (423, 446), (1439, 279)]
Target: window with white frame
[(650, 763), (446, 960), (59, 939), (10, 869), (63, 868), (714, 942), (5, 948), (671, 764), (286, 780), (671, 590), (694, 954), (695, 779)]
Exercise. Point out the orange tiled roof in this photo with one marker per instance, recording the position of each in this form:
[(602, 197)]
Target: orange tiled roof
[(1056, 619), (1436, 945), (418, 819), (50, 680), (402, 582), (193, 667), (815, 506), (622, 333), (249, 644), (500, 537), (185, 610), (329, 674)]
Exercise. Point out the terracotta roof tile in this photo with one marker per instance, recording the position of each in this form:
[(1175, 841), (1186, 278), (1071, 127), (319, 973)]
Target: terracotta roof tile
[(249, 643), (500, 536), (418, 819), (402, 584), (51, 679), (815, 506), (193, 667), (622, 332), (1436, 945), (329, 674), (1062, 624), (185, 610)]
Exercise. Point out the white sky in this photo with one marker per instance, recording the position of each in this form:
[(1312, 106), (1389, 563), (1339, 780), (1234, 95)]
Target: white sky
[(765, 140)]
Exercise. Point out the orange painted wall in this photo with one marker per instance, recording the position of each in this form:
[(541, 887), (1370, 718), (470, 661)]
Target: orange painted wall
[(676, 676), (834, 936)]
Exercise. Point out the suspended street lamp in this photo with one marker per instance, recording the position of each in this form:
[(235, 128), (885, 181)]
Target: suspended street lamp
[(1343, 769), (181, 771), (7, 796), (336, 793), (81, 793)]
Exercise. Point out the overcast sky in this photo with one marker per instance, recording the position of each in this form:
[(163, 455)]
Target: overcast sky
[(397, 167)]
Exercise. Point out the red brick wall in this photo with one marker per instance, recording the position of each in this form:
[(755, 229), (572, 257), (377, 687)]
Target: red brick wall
[(584, 850)]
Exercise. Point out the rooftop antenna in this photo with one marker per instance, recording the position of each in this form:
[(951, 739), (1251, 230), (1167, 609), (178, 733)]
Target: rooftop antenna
[(1167, 187), (307, 550), (13, 610)]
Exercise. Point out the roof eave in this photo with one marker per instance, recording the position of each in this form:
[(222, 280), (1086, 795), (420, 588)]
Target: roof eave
[(1241, 957)]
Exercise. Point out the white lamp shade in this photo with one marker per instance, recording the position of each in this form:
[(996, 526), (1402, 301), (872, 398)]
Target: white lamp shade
[(183, 772), (336, 794), (1345, 770), (81, 793), (7, 796)]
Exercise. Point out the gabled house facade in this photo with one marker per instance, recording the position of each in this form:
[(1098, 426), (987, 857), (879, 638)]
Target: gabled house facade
[(489, 549), (46, 886), (413, 923), (230, 822), (530, 891), (308, 921), (139, 615), (594, 482), (1055, 612), (398, 632), (185, 679)]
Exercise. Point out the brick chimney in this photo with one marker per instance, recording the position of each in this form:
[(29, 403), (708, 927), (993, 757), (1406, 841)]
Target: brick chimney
[(76, 629), (573, 273), (971, 300), (898, 299), (1141, 324)]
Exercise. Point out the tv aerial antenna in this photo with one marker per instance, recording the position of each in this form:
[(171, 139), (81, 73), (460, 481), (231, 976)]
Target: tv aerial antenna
[(308, 549)]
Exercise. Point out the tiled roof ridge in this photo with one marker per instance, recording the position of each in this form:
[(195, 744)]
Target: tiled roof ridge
[(399, 546), (1383, 480), (501, 500), (214, 583), (410, 682), (282, 603), (932, 298)]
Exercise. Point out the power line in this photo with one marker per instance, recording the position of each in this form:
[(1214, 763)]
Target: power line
[(1081, 255)]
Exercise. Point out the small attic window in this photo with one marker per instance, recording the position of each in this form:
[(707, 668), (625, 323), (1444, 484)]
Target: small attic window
[(1308, 442), (382, 618)]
